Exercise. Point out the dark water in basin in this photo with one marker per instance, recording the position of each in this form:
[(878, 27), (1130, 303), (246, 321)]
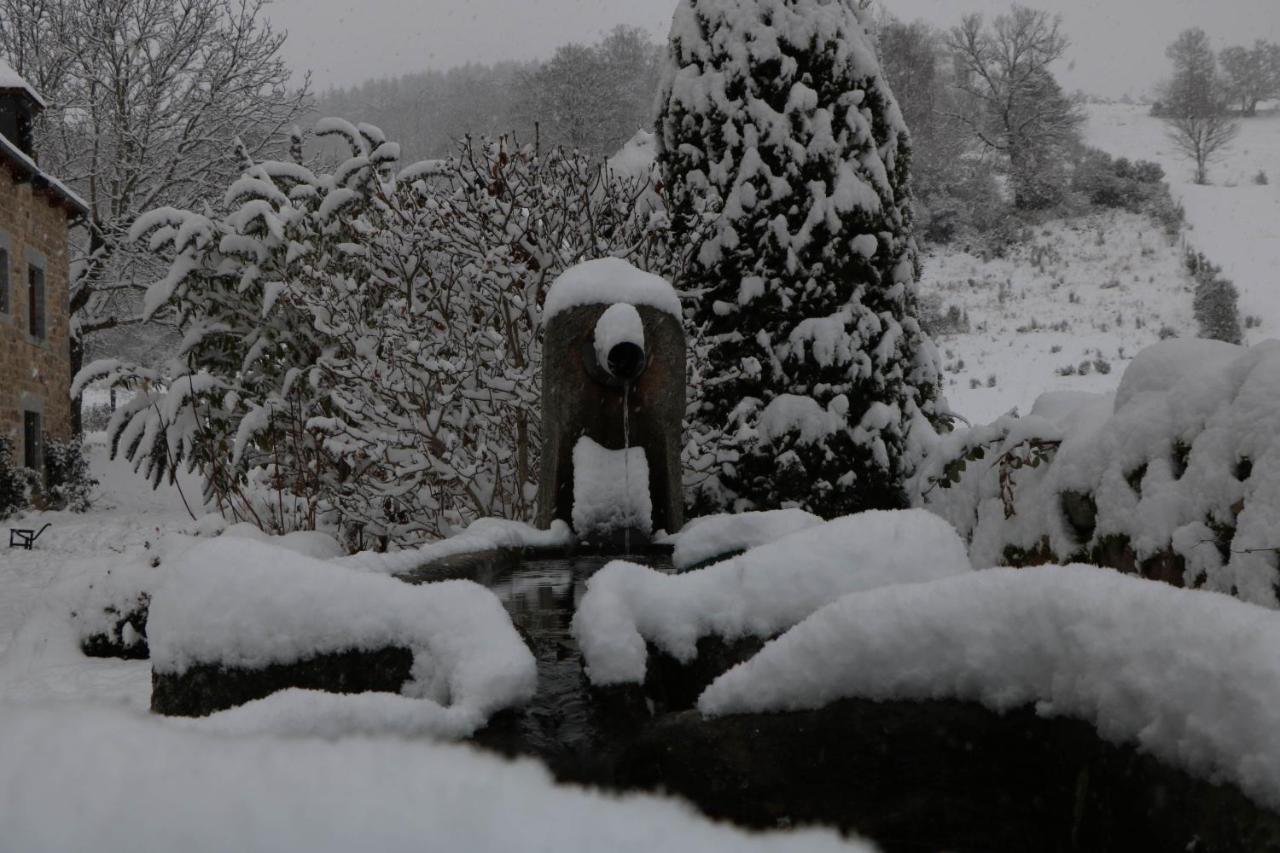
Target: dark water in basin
[(575, 729)]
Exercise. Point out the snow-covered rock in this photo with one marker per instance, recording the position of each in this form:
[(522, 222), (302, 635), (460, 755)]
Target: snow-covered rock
[(92, 778), (606, 281), (1191, 677), (758, 594), (245, 605), (717, 535)]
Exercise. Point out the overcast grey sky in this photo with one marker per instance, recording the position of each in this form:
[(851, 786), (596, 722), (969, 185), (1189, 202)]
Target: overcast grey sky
[(1118, 44)]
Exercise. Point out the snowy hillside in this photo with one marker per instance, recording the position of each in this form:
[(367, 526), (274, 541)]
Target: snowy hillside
[(1064, 312), (1070, 309), (1234, 221)]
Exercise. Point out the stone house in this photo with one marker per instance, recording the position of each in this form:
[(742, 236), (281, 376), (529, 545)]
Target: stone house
[(35, 213)]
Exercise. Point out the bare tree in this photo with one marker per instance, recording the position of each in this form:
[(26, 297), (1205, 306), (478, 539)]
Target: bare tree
[(1016, 108), (147, 98), (1194, 103), (1251, 74)]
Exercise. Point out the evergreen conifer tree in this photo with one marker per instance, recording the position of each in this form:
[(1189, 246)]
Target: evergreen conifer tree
[(780, 141)]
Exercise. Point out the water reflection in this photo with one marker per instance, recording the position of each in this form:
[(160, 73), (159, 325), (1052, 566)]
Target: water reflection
[(566, 723)]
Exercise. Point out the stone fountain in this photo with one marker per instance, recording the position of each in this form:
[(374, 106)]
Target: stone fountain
[(613, 398)]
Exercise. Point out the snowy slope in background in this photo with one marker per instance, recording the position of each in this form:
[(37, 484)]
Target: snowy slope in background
[(1235, 222), (1082, 295)]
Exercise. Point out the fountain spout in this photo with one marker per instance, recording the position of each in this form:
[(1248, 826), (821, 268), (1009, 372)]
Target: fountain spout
[(613, 396)]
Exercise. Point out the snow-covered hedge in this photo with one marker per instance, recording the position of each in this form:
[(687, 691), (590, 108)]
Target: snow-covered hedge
[(1192, 678), (1176, 476), (758, 594), (243, 604), (103, 779)]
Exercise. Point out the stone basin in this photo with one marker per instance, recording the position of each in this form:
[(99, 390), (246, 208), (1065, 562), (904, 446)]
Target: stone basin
[(911, 776)]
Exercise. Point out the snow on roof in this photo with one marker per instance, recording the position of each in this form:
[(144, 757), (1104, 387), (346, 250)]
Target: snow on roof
[(607, 281), (26, 164), (1190, 676), (11, 80)]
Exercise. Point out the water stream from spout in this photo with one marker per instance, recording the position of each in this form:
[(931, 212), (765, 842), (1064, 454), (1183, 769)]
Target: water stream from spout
[(626, 460)]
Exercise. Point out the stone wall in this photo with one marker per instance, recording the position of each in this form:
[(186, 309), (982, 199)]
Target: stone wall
[(34, 375)]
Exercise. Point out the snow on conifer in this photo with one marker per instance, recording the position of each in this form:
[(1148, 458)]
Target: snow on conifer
[(780, 141)]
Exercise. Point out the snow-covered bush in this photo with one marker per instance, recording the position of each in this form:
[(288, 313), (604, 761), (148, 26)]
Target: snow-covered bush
[(15, 485), (361, 346), (1216, 301), (777, 127), (68, 483), (1176, 476)]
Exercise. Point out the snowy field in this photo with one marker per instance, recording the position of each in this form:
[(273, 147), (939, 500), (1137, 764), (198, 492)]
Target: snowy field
[(1091, 293)]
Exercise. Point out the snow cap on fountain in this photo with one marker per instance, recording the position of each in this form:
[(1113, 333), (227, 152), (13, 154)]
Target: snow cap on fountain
[(608, 281)]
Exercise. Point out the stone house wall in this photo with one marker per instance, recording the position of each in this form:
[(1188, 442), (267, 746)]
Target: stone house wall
[(35, 375)]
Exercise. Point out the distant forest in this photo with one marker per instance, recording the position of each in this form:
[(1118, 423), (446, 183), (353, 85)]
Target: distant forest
[(591, 97)]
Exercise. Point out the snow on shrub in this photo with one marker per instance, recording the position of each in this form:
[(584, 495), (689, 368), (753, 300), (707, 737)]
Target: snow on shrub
[(786, 161), (242, 604), (361, 347), (1177, 475), (104, 779), (1189, 677), (758, 594)]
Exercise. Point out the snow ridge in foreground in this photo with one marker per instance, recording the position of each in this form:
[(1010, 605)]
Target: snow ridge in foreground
[(101, 779), (1190, 676)]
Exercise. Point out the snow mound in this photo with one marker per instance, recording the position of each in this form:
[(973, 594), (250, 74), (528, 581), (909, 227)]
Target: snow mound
[(610, 490), (1162, 367), (607, 281), (1179, 477), (242, 604), (485, 534), (718, 535), (97, 779), (1191, 677), (760, 593)]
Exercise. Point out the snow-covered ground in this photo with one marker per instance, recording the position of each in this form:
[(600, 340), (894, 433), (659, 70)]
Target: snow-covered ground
[(1063, 312), (1094, 291), (1234, 221), (83, 765)]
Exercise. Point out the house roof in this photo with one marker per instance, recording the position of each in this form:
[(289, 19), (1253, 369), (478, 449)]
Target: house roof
[(11, 81), (24, 164)]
